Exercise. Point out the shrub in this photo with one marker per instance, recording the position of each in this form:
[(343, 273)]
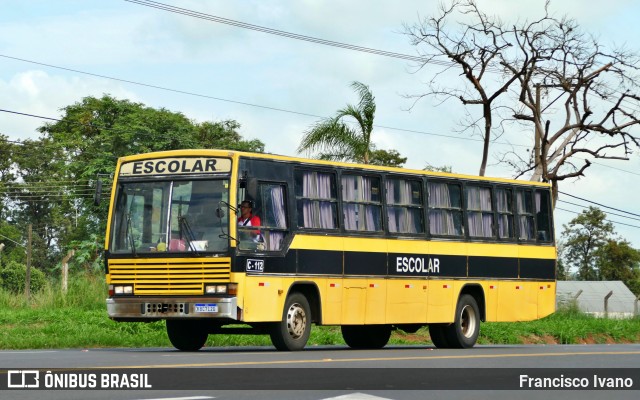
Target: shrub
[(13, 276)]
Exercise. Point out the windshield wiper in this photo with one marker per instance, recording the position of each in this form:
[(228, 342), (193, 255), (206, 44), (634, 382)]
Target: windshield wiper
[(220, 215), (184, 226)]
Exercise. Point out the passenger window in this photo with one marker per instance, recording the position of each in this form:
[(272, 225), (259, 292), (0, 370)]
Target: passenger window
[(504, 204), (404, 206), (361, 203), (524, 206), (479, 212), (316, 200), (543, 216), (445, 209)]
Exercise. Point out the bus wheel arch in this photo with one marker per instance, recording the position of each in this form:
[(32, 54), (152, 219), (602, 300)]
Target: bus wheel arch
[(292, 332), (463, 332), (477, 292), (311, 292)]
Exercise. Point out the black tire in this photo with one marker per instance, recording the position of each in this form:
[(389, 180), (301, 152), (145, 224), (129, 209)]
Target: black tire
[(292, 332), (438, 335), (463, 332), (187, 335), (366, 336)]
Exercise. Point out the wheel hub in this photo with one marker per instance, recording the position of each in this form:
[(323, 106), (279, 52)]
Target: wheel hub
[(296, 321)]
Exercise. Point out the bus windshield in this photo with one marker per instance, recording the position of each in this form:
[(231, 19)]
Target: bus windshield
[(170, 216)]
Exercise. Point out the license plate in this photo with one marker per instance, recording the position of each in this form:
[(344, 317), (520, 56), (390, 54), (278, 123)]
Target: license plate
[(206, 308)]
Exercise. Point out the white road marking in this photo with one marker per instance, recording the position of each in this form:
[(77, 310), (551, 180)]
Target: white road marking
[(357, 396), (184, 398)]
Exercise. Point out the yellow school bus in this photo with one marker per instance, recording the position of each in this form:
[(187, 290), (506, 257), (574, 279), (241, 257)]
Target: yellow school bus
[(370, 249)]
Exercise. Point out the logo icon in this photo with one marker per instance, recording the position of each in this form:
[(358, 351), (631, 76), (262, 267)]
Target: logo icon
[(18, 379)]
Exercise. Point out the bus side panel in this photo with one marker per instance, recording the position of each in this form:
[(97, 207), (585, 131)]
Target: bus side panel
[(530, 306), (546, 299), (332, 301), (518, 301), (442, 301), (264, 298), (354, 300), (376, 307), (491, 300), (407, 301)]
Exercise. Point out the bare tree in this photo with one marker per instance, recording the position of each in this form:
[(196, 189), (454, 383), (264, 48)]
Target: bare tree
[(577, 97)]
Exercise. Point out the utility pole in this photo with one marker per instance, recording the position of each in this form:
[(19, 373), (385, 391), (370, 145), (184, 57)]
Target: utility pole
[(27, 286)]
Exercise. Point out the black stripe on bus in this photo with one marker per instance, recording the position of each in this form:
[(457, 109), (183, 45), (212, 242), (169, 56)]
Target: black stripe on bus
[(319, 262), (531, 268), (494, 267), (365, 263), (329, 262)]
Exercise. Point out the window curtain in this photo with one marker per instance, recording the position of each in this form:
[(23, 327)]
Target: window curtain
[(360, 217), (525, 217), (479, 212), (505, 213), (402, 218), (441, 220), (317, 208), (279, 219)]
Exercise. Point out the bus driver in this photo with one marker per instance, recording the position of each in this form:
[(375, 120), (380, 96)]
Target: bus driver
[(246, 217)]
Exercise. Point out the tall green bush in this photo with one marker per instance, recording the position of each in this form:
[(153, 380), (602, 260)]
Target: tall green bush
[(13, 276)]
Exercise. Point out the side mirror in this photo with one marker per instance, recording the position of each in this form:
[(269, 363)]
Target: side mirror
[(220, 213)]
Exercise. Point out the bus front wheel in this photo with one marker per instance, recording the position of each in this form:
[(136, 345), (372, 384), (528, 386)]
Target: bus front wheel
[(292, 332), (186, 335), (463, 332)]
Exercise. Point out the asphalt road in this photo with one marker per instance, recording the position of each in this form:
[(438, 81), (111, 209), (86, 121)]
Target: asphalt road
[(396, 372)]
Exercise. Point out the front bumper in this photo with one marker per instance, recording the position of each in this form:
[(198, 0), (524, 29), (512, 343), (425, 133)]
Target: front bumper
[(155, 308)]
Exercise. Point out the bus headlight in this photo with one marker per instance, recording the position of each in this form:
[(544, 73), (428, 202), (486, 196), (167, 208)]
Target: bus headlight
[(231, 288), (122, 289), (215, 289)]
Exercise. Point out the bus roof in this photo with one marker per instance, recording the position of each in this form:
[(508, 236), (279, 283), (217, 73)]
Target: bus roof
[(267, 156)]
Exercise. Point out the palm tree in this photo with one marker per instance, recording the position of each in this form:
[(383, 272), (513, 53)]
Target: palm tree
[(336, 140)]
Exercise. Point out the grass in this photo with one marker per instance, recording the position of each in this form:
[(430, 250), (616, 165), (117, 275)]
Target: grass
[(79, 320)]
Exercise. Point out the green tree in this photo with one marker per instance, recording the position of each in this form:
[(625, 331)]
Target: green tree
[(224, 135), (390, 158), (444, 168), (53, 191), (618, 261), (584, 237), (335, 139)]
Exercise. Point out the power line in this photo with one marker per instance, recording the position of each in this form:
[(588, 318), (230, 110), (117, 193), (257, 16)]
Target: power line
[(599, 204), (160, 87), (293, 112), (608, 213), (290, 35), (614, 222)]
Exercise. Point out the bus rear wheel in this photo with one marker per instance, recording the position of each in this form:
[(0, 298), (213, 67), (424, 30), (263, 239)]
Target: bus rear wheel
[(292, 332), (438, 335), (366, 336), (463, 332), (186, 335)]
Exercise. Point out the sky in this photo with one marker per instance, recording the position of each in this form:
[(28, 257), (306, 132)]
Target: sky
[(277, 87)]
